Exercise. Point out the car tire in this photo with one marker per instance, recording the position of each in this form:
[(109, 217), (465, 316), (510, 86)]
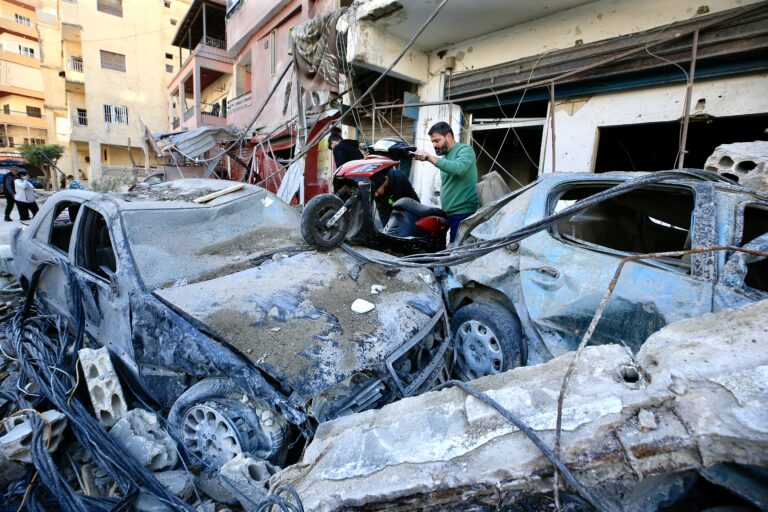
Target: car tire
[(316, 212), (487, 340), (216, 406)]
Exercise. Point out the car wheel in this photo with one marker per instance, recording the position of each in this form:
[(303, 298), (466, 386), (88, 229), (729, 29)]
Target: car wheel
[(317, 212), (215, 421), (487, 339)]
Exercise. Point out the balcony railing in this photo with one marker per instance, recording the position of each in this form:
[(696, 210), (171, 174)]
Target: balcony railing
[(212, 109), (210, 48), (215, 43), (21, 113), (75, 65), (14, 48), (242, 101)]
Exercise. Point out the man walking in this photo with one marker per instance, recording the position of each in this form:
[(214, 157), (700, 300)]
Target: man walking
[(458, 173), (9, 190)]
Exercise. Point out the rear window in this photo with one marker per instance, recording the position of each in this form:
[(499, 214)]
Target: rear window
[(755, 225)]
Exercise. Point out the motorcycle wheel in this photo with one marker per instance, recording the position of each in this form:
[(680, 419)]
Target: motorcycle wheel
[(316, 213)]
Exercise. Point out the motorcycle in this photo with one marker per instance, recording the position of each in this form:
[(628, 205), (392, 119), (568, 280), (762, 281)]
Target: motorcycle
[(349, 213)]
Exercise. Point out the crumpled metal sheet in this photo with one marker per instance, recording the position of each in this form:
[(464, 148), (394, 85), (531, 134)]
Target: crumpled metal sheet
[(194, 143)]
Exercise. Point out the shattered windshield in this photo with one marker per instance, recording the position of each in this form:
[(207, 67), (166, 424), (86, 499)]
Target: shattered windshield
[(174, 246)]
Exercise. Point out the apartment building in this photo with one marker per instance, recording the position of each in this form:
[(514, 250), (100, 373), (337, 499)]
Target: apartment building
[(22, 118), (106, 64), (574, 85)]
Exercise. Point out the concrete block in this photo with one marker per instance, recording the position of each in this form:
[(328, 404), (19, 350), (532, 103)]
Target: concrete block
[(209, 483), (16, 444), (179, 482), (248, 479), (745, 161), (103, 385), (140, 433)]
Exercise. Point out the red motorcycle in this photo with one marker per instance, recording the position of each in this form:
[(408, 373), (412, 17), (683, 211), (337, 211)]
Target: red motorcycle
[(349, 213)]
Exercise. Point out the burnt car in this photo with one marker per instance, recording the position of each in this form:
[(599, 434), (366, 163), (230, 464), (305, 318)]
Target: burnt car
[(534, 299), (217, 311)]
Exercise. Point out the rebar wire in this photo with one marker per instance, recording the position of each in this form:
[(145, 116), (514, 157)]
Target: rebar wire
[(604, 302), (553, 457)]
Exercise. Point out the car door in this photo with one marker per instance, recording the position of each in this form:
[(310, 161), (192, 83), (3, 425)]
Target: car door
[(102, 272), (49, 243), (565, 271)]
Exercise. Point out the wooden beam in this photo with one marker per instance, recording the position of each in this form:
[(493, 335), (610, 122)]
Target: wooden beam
[(214, 195)]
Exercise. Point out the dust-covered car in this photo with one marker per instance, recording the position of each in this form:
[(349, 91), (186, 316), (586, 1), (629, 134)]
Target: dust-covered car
[(217, 310), (534, 299)]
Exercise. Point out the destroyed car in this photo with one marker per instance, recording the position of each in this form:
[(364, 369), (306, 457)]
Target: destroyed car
[(210, 305), (533, 300)]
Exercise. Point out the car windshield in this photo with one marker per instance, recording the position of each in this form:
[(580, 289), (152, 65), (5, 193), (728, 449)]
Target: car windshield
[(173, 246)]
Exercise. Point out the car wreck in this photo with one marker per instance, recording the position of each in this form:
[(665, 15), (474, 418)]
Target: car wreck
[(212, 308), (534, 299)]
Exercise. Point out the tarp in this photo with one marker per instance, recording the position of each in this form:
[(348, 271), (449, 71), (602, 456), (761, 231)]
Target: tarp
[(317, 54)]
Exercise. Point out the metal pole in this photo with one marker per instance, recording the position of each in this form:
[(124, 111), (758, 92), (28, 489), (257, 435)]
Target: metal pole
[(205, 31), (687, 109), (552, 122)]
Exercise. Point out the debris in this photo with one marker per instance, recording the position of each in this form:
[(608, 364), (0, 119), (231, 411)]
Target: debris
[(16, 444), (377, 289), (179, 482), (646, 420), (746, 162), (219, 193), (209, 483), (247, 479), (10, 471), (140, 433), (433, 446), (362, 306), (267, 201), (275, 329), (103, 385)]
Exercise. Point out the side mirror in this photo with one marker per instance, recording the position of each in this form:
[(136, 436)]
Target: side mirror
[(113, 286)]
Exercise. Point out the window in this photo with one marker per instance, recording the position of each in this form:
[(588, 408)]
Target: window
[(173, 22), (755, 225), (113, 61), (115, 114), (94, 252), (641, 221), (64, 220), (34, 111), (26, 51), (34, 142), (273, 51), (167, 4), (113, 7), (10, 142), (169, 56), (22, 20), (169, 68), (7, 109), (81, 117)]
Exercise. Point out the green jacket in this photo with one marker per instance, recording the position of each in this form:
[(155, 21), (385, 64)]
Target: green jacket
[(458, 172)]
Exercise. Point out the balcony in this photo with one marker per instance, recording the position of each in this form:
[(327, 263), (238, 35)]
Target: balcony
[(16, 118), (10, 24), (75, 74)]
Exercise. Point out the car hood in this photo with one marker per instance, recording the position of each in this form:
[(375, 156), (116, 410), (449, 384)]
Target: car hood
[(292, 315)]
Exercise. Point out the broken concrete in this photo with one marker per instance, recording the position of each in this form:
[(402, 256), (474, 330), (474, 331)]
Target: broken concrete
[(140, 433), (103, 386), (179, 482), (746, 162), (16, 444), (704, 381), (247, 479)]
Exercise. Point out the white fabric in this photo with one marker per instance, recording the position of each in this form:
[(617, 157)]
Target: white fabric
[(25, 192)]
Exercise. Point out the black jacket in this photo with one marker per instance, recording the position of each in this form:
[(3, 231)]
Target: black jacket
[(398, 187), (9, 186), (346, 151)]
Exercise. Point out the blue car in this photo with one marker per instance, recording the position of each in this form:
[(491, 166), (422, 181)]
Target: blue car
[(533, 300)]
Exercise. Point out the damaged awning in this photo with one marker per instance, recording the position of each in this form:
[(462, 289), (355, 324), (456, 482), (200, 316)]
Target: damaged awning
[(192, 143)]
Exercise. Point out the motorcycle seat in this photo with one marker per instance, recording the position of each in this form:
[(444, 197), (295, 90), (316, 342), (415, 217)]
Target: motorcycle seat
[(416, 208)]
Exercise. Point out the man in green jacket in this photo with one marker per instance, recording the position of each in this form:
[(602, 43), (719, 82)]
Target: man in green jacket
[(458, 173)]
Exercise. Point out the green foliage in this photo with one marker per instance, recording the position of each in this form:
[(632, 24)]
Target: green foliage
[(40, 155), (112, 184)]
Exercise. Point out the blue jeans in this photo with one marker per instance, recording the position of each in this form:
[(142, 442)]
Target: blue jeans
[(454, 221)]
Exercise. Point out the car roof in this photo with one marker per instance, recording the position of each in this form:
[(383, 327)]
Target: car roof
[(721, 184), (170, 195)]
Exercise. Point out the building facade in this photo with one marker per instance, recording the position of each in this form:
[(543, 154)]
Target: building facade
[(106, 64), (22, 112)]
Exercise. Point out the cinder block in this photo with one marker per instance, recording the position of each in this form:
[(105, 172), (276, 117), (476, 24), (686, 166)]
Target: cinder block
[(16, 444), (140, 433), (103, 386), (247, 479)]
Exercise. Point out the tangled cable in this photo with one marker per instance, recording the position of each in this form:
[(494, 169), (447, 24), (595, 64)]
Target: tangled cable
[(470, 251)]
